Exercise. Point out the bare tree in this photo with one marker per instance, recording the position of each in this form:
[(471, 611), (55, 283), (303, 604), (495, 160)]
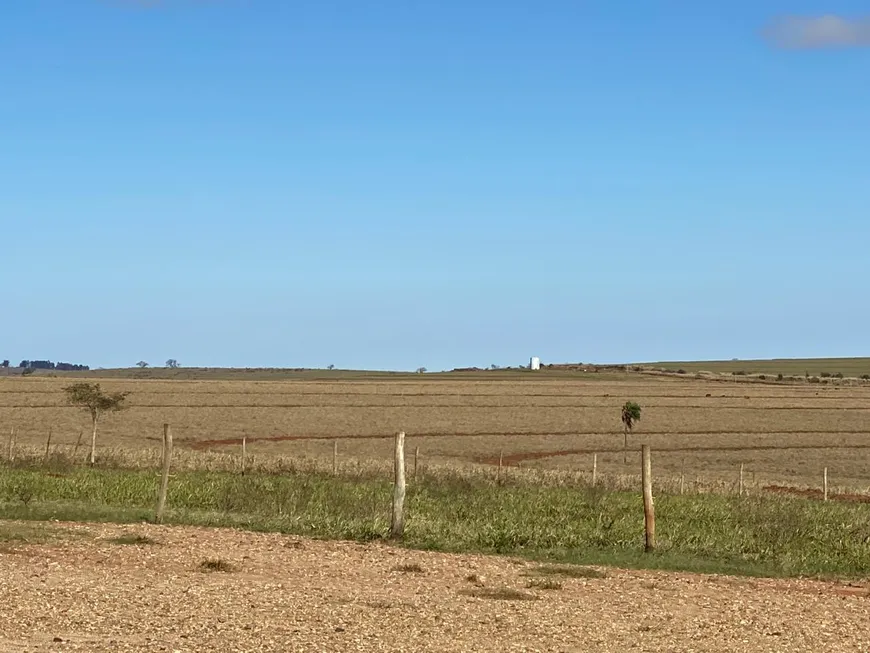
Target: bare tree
[(172, 363), (96, 402)]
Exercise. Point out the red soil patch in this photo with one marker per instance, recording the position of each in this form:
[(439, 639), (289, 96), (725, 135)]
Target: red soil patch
[(813, 493), (516, 458)]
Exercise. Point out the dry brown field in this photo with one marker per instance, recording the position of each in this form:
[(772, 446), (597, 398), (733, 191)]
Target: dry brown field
[(702, 428)]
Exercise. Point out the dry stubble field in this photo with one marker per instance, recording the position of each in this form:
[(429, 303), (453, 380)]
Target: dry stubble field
[(782, 434)]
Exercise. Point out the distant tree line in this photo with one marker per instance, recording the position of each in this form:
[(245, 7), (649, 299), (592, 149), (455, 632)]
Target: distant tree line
[(171, 363), (48, 365)]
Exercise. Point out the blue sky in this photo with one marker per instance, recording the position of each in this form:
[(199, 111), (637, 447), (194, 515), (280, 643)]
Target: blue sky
[(399, 184)]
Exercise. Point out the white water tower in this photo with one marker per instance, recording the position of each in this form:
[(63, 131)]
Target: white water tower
[(535, 363)]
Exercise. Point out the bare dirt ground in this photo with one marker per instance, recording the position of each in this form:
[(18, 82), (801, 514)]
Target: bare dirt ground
[(80, 591)]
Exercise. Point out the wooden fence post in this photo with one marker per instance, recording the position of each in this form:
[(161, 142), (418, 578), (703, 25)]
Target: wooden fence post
[(397, 528), (78, 444), (244, 453), (740, 484), (825, 480), (649, 517), (500, 465), (47, 447), (335, 457), (594, 469), (682, 476), (416, 461), (12, 445), (164, 481)]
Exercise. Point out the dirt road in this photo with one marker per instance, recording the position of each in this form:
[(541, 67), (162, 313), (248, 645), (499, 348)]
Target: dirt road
[(81, 591)]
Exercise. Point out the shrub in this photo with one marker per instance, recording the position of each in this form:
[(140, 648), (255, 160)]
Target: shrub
[(216, 565), (762, 377), (779, 377), (866, 377), (838, 375), (543, 584), (825, 375), (738, 373), (411, 568), (815, 379)]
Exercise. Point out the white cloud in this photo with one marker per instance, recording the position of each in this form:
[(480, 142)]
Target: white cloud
[(819, 32)]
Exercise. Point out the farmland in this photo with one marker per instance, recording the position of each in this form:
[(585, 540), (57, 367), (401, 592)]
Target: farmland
[(250, 532), (702, 428)]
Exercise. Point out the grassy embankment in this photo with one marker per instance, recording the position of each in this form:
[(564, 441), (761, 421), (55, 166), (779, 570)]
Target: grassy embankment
[(771, 536)]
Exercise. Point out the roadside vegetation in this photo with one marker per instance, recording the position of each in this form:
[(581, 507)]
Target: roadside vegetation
[(553, 523)]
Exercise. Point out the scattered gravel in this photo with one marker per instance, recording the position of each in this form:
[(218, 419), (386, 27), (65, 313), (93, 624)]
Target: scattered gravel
[(84, 592)]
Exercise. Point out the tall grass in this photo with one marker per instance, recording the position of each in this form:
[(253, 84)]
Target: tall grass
[(553, 522), (61, 460)]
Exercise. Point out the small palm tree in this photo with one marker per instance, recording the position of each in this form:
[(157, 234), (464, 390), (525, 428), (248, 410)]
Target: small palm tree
[(630, 415)]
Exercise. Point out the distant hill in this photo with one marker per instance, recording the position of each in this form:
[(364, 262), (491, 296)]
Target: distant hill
[(848, 367)]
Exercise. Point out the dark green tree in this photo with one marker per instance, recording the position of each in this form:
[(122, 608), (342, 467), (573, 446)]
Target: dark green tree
[(630, 415)]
